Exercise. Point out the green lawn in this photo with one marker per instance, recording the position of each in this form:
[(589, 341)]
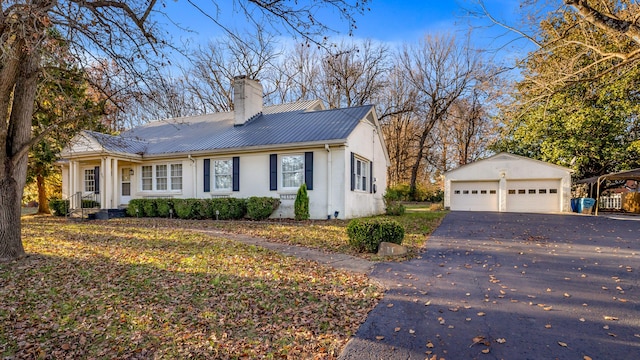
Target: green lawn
[(133, 289)]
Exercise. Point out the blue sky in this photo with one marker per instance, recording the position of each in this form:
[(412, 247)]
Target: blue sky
[(389, 21)]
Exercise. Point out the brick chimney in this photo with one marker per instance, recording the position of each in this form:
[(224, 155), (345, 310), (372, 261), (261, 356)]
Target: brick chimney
[(247, 99)]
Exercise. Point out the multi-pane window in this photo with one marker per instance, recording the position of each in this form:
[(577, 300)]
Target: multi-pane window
[(292, 171), (176, 176), (161, 177), (222, 174), (361, 171), (147, 178), (89, 180), (158, 177)]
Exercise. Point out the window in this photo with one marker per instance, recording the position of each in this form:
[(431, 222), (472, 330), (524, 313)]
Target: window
[(158, 177), (553, 191), (492, 191), (222, 174), (292, 171), (147, 178), (483, 191), (522, 191), (465, 191), (474, 191), (176, 176), (457, 192), (89, 180), (512, 192), (532, 191), (542, 191), (361, 170), (161, 177)]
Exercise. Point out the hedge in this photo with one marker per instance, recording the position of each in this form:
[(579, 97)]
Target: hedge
[(366, 235), (255, 208)]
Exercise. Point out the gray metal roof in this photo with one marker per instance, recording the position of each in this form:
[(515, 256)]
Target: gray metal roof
[(277, 125), (118, 143)]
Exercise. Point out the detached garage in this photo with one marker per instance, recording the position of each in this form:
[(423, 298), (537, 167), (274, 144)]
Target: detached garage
[(508, 183)]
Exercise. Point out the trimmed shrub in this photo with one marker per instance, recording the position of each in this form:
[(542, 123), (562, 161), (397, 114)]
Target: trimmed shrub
[(59, 207), (163, 206), (89, 204), (228, 208), (260, 208), (149, 207), (190, 208), (133, 205), (366, 235), (301, 205)]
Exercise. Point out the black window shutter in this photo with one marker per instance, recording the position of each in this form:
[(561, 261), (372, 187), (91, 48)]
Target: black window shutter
[(308, 169), (353, 172), (371, 177), (96, 179), (273, 172), (207, 175), (236, 173)]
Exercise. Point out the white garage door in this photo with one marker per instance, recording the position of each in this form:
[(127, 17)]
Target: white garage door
[(474, 195), (533, 195)]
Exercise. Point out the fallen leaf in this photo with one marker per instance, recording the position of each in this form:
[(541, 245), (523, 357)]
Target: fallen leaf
[(586, 357), (612, 334), (430, 345), (396, 329), (481, 313), (562, 344), (582, 320), (567, 295), (501, 341), (613, 318), (548, 326), (411, 331), (486, 351), (379, 337), (65, 346), (389, 305)]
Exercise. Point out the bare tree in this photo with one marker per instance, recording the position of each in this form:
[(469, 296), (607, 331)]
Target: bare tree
[(354, 74), (127, 32), (442, 71), (299, 75), (209, 78)]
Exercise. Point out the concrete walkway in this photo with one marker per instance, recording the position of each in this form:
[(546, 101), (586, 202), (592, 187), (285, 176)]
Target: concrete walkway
[(511, 286)]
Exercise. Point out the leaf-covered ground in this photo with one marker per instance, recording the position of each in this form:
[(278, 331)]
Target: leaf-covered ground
[(330, 236), (103, 290)]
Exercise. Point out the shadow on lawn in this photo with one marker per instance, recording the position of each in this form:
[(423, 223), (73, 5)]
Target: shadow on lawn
[(118, 294)]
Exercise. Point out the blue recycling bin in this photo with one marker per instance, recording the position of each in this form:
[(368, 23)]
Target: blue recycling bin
[(585, 205), (574, 205)]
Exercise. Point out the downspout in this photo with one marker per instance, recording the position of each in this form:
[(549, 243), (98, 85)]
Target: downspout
[(194, 174), (598, 194), (329, 180)]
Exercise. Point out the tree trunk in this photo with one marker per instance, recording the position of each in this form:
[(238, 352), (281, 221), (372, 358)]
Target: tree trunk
[(10, 242), (15, 156), (43, 202)]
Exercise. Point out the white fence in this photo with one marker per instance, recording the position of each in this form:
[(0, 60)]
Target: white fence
[(613, 202)]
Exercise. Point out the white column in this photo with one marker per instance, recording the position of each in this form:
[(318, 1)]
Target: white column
[(73, 166), (115, 197), (502, 192), (105, 172)]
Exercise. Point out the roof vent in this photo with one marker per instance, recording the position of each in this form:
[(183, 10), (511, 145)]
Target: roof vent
[(247, 97)]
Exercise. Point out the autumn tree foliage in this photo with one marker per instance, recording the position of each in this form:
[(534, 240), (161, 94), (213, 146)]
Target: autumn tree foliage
[(577, 103)]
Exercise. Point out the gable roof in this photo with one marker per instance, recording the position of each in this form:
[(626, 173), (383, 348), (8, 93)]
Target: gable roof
[(295, 123), (505, 156)]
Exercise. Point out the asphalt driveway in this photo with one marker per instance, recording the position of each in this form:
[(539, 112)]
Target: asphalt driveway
[(511, 286)]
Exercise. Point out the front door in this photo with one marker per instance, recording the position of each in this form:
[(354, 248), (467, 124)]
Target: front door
[(125, 194)]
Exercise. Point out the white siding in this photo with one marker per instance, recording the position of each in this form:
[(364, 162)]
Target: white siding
[(474, 195)]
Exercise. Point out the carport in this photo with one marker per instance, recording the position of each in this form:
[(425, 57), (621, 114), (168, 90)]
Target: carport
[(633, 174)]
